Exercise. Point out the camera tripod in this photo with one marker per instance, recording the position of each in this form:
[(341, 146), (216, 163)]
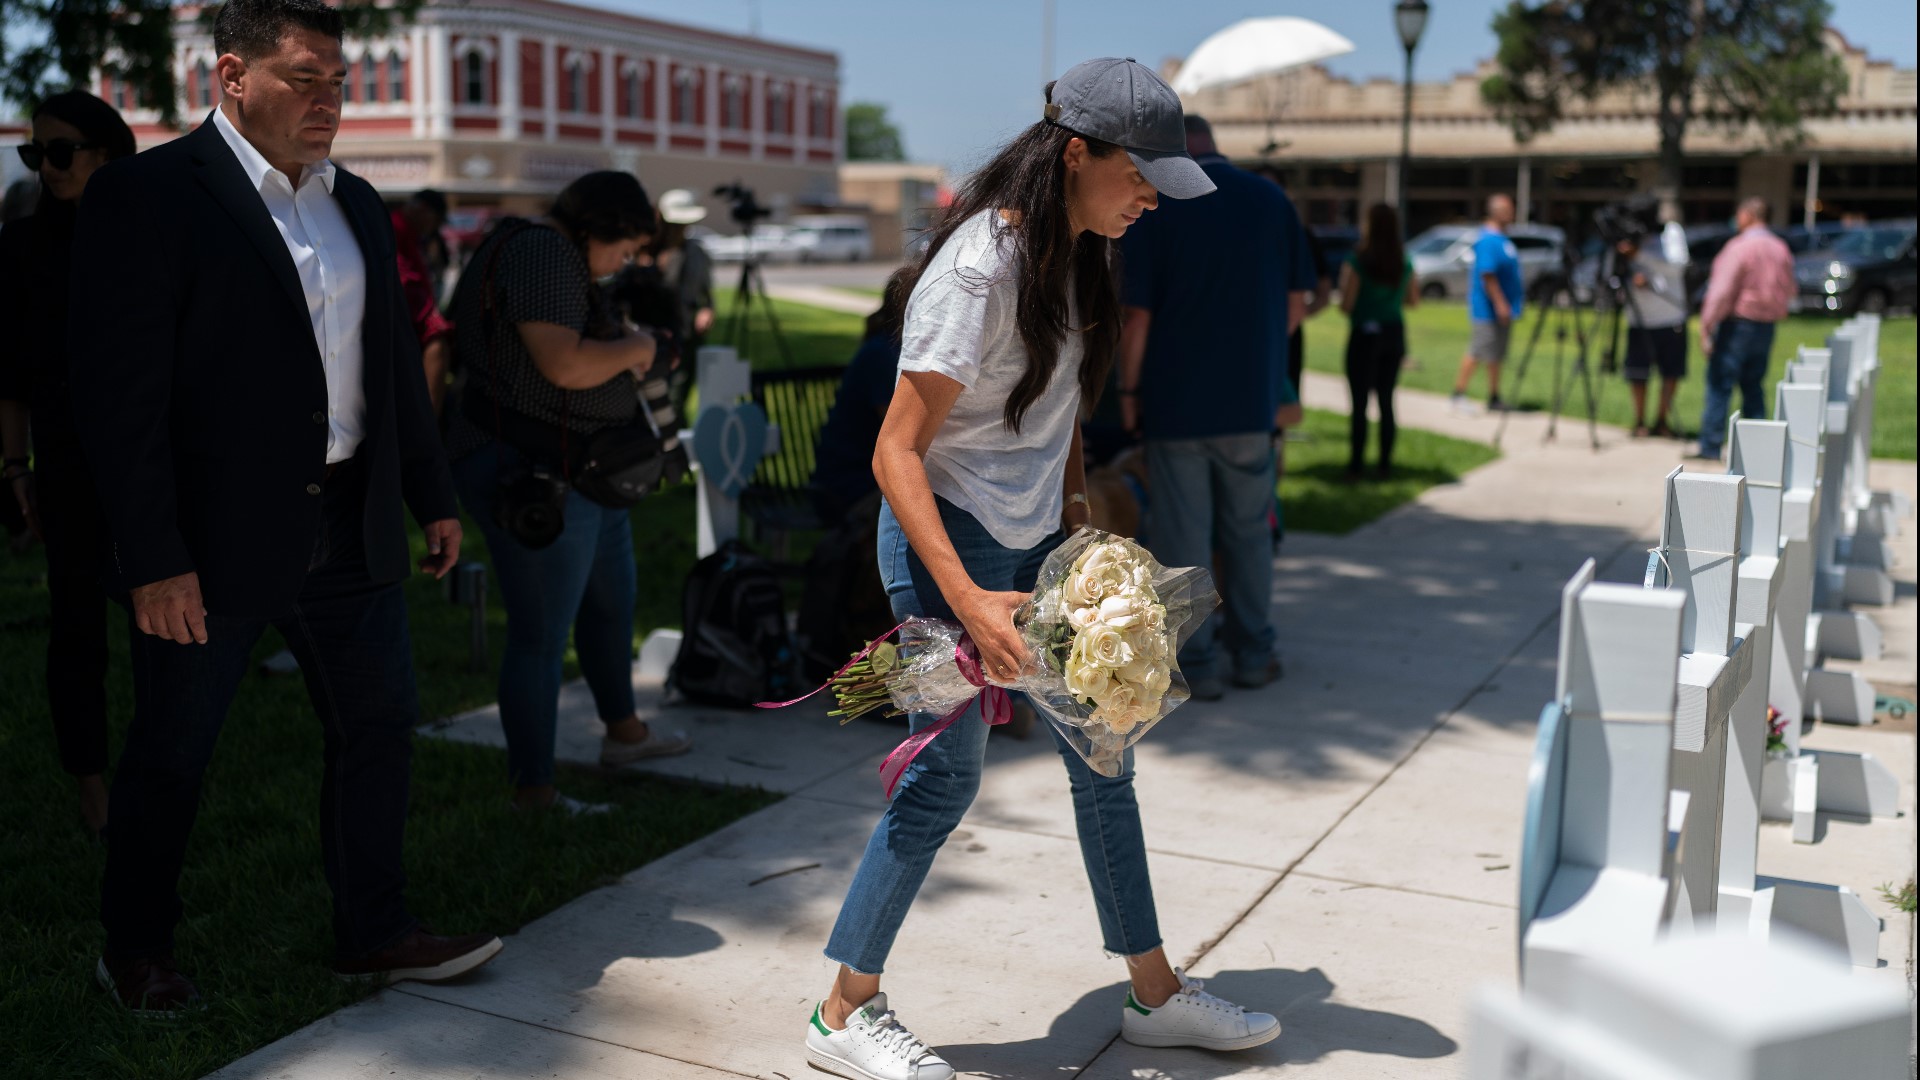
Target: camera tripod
[(1564, 308), (753, 287)]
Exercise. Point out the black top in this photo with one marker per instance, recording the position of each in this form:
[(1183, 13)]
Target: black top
[(540, 277), (202, 396), (36, 257)]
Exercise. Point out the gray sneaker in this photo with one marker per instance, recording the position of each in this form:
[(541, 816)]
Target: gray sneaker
[(1257, 677), (614, 753)]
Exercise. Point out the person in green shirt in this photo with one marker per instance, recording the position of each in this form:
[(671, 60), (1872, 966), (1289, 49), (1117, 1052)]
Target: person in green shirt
[(1376, 286)]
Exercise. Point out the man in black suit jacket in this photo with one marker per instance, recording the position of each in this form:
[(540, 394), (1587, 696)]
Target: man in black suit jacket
[(250, 391)]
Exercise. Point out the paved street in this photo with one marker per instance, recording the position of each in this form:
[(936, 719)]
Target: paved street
[(1340, 848)]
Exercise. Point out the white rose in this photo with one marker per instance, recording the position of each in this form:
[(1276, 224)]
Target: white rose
[(1106, 646), (1081, 618), (1119, 699), (1157, 682), (1082, 590), (1121, 611)]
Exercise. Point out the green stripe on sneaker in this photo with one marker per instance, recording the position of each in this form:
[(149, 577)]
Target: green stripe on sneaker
[(819, 1023), (1136, 1006)]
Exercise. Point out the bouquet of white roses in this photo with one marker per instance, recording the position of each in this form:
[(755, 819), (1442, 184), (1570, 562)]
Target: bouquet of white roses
[(1105, 625)]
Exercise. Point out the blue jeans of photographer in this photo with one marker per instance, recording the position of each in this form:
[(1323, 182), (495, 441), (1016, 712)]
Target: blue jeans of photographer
[(1742, 350), (583, 582), (937, 788)]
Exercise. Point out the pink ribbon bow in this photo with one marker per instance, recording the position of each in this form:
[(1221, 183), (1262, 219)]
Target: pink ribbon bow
[(996, 707)]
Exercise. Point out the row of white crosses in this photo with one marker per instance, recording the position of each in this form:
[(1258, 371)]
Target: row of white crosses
[(1649, 944), (1828, 516)]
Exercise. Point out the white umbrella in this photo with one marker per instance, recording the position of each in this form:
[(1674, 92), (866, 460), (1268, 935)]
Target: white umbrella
[(1251, 48)]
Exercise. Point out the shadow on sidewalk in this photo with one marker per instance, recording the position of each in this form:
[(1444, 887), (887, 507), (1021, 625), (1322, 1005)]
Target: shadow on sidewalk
[(1312, 1027)]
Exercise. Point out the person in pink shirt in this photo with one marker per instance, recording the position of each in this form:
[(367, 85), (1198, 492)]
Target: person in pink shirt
[(1748, 292)]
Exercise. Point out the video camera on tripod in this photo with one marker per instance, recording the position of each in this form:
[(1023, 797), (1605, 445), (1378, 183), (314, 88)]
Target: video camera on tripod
[(745, 209), (742, 206)]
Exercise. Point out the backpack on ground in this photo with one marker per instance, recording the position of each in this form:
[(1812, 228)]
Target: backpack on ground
[(734, 648), (844, 605)]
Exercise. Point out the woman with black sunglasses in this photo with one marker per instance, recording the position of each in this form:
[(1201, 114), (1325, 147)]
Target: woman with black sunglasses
[(73, 134)]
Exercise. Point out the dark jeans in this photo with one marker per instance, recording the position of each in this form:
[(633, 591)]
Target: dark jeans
[(1742, 349), (584, 583), (1374, 351), (350, 636), (76, 534)]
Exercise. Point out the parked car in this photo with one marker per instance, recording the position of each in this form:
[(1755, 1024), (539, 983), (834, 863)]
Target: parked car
[(1802, 240), (1443, 257), (831, 238), (769, 243), (1866, 269)]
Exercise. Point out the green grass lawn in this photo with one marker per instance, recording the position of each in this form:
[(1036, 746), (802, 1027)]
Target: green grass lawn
[(256, 937), (1437, 336)]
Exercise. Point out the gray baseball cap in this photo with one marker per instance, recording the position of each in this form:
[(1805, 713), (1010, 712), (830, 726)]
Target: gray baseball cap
[(1121, 102)]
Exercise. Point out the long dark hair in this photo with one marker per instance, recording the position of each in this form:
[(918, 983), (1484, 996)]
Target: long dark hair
[(608, 206), (1382, 260), (1027, 178), (891, 319)]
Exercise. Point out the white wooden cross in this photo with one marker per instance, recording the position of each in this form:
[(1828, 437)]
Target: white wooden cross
[(1596, 866), (1699, 557), (1759, 454)]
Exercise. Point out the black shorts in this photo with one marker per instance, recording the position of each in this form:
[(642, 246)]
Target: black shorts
[(1664, 348)]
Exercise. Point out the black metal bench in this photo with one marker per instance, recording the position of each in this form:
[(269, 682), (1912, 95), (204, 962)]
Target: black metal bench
[(777, 502)]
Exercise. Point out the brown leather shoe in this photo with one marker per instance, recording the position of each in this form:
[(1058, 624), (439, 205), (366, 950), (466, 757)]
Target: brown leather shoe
[(423, 957), (152, 988)]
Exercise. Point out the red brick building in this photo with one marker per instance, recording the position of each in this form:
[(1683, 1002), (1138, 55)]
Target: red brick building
[(501, 102)]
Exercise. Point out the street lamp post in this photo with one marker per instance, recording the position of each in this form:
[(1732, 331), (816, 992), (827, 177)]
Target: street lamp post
[(1410, 18)]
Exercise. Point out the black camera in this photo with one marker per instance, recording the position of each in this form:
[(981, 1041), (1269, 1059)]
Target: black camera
[(640, 295), (741, 204), (1628, 219), (531, 504)]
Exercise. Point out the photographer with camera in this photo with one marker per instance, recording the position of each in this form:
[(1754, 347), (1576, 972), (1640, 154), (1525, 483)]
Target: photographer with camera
[(553, 397), (1655, 291)]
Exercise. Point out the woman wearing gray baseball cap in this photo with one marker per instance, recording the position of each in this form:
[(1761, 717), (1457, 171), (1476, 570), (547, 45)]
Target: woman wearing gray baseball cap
[(1011, 328)]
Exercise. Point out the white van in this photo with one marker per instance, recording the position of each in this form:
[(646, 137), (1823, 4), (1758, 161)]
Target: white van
[(830, 238)]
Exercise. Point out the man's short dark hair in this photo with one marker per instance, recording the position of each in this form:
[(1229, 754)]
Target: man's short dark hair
[(432, 200), (1758, 206), (251, 29), (1196, 125)]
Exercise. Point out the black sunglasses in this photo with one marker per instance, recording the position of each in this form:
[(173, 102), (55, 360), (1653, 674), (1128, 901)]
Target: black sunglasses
[(56, 152)]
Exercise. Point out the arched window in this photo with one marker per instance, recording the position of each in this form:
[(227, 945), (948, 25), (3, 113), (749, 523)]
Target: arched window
[(346, 85), (685, 98), (577, 88), (203, 84), (370, 78), (635, 89), (733, 101), (818, 118), (474, 78), (396, 77), (777, 117)]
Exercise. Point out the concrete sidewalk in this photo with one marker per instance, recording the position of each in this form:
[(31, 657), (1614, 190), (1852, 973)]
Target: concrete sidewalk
[(1340, 848)]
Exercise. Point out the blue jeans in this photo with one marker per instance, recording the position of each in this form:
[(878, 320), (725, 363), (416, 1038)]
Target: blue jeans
[(937, 788), (1741, 351), (1212, 495), (583, 582), (350, 635)]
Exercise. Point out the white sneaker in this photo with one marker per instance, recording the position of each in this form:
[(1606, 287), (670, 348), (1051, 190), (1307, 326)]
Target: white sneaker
[(873, 1046), (1194, 1017), (1464, 407)]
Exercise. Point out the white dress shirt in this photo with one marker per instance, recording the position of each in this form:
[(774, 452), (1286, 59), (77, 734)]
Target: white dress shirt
[(333, 275)]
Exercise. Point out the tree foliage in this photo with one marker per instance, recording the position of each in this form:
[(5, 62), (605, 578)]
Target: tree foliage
[(870, 135), (1733, 63), (54, 45)]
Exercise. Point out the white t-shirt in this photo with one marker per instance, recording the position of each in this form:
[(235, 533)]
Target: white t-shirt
[(960, 323)]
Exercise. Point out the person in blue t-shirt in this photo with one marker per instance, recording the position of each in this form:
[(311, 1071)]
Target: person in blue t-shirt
[(843, 459), (1493, 302), (1203, 372)]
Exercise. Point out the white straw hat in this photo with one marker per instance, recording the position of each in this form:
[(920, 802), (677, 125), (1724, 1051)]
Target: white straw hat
[(681, 207)]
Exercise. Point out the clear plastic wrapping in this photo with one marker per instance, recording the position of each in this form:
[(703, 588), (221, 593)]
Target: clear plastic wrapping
[(1104, 627)]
